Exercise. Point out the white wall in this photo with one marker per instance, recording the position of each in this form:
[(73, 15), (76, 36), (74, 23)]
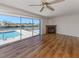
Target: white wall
[(6, 10), (68, 25), (44, 23)]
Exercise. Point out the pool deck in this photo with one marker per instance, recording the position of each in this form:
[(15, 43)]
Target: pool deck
[(24, 34)]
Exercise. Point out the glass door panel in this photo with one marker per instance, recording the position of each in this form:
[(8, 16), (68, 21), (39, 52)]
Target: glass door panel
[(36, 27), (1, 30), (10, 28), (26, 27)]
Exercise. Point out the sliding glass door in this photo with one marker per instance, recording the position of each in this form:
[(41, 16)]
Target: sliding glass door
[(17, 28)]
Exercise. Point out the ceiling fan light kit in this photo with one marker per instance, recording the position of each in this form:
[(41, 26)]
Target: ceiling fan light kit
[(46, 4)]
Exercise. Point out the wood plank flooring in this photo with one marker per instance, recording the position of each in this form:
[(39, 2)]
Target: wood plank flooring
[(45, 46)]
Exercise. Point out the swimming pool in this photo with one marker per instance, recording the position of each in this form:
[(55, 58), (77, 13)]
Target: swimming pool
[(10, 34)]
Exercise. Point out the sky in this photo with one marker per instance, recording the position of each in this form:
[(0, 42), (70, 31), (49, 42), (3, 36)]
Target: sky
[(13, 19)]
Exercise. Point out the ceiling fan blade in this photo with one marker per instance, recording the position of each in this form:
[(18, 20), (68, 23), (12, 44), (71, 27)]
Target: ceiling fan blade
[(42, 9), (49, 7), (56, 1), (35, 5)]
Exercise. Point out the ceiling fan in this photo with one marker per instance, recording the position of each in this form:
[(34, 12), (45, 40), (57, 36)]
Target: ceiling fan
[(47, 4)]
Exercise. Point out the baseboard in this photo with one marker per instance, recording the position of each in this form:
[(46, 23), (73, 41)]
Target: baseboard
[(67, 35)]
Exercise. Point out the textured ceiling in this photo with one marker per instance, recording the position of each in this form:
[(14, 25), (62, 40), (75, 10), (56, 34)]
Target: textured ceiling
[(63, 8)]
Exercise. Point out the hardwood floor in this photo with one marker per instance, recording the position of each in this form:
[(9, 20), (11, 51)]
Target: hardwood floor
[(46, 46)]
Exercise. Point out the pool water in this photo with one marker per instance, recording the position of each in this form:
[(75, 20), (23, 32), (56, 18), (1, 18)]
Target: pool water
[(11, 34)]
